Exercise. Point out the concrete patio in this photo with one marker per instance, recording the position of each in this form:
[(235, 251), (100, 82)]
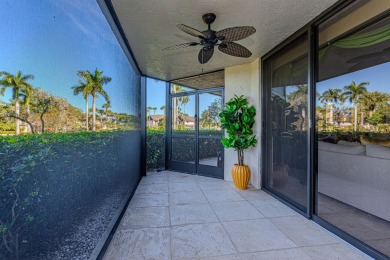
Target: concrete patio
[(180, 216)]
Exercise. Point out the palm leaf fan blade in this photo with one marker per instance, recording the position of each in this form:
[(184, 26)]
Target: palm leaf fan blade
[(235, 49), (205, 55)]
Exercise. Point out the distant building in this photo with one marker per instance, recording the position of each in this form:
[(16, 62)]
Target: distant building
[(153, 120), (187, 121)]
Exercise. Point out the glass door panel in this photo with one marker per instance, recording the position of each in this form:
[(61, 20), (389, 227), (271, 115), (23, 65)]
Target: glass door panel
[(287, 123), (195, 140), (210, 152), (183, 115), (183, 133)]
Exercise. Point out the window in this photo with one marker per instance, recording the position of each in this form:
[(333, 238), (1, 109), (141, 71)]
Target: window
[(70, 129), (286, 122), (353, 123)]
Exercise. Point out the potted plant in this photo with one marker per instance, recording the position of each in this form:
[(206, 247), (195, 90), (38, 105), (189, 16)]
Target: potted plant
[(238, 119)]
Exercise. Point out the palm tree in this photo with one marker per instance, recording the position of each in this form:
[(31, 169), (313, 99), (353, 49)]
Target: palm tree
[(332, 95), (154, 110), (148, 110), (106, 107), (82, 88), (373, 100), (184, 100), (175, 105), (163, 108), (353, 93), (94, 85), (101, 113), (298, 99), (27, 95), (18, 84)]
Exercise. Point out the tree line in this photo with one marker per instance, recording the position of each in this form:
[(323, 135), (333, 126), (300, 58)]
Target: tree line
[(364, 102), (35, 106)]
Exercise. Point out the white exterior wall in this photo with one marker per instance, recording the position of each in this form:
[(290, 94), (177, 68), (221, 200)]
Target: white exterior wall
[(246, 80)]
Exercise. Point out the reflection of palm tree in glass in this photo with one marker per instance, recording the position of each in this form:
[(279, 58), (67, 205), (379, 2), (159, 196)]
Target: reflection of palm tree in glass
[(332, 95), (298, 98), (18, 84), (106, 106), (82, 88), (101, 113), (94, 85), (372, 100), (353, 93), (27, 95)]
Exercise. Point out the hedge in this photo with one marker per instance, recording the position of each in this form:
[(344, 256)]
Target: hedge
[(184, 149), (52, 180)]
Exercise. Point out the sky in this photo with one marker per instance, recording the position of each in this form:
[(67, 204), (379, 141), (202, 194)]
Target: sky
[(156, 98), (53, 39), (377, 76)]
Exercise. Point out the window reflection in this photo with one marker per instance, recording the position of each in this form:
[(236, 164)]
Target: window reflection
[(287, 122), (353, 127), (69, 129)]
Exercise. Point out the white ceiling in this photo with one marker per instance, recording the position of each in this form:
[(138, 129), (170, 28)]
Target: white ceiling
[(150, 25)]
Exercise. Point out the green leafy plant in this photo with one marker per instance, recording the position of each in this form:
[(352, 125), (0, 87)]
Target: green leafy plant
[(238, 119)]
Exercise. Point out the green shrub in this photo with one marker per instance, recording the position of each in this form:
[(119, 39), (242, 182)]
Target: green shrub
[(184, 149), (49, 180)]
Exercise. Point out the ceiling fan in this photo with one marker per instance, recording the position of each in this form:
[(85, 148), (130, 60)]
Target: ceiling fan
[(224, 39)]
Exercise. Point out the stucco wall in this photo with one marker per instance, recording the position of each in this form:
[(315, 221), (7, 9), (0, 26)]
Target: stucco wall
[(245, 80)]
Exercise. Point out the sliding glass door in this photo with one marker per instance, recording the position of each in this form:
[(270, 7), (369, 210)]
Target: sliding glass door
[(326, 146), (286, 135), (353, 125)]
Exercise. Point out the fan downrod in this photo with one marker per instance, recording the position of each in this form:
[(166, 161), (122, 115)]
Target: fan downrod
[(209, 18)]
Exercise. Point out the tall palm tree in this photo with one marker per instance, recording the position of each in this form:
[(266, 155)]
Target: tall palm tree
[(332, 95), (373, 100), (82, 88), (353, 92), (298, 99), (94, 85), (27, 94), (154, 110), (163, 108), (106, 107), (18, 83), (184, 100), (148, 110)]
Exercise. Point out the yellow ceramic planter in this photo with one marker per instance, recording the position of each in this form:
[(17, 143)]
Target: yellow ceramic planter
[(241, 176)]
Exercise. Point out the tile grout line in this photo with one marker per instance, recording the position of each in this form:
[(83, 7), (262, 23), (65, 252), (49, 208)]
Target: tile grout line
[(221, 224), (170, 221)]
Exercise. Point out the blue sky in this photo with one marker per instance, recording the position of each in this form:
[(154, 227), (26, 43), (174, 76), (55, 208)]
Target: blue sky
[(156, 98), (53, 39), (377, 76)]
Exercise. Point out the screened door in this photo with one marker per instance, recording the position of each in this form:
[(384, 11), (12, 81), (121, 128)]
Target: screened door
[(195, 134), (286, 132)]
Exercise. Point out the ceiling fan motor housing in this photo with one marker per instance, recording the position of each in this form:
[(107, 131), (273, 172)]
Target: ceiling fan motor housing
[(209, 18)]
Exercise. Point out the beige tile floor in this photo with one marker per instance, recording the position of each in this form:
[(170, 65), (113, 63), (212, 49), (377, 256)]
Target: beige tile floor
[(180, 216)]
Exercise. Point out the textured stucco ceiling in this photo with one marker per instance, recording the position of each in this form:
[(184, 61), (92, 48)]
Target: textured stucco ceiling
[(203, 81), (150, 25)]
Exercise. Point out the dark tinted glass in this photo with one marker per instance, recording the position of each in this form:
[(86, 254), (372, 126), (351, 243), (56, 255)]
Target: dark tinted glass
[(70, 132), (353, 126), (287, 122)]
